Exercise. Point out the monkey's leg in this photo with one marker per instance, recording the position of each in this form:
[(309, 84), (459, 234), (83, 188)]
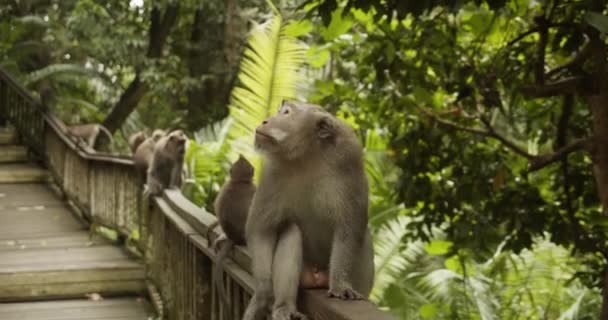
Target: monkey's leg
[(287, 267), (345, 246), (261, 243)]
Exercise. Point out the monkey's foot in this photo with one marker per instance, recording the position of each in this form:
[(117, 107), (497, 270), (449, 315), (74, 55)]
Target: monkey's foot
[(284, 313), (345, 294), (257, 309)]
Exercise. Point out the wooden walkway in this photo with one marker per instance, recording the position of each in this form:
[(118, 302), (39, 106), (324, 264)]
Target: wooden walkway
[(50, 267)]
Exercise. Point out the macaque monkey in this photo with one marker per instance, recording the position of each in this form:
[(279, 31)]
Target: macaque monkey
[(143, 154), (231, 207), (167, 163), (88, 132), (309, 211), (136, 139)]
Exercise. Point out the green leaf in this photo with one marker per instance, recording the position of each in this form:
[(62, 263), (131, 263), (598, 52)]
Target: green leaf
[(422, 96), (597, 20), (317, 57), (453, 263), (298, 28), (339, 24), (438, 247), (429, 310)]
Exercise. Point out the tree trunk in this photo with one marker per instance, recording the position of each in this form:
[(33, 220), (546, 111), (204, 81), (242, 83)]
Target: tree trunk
[(214, 52), (598, 103), (159, 31), (127, 103), (604, 315)]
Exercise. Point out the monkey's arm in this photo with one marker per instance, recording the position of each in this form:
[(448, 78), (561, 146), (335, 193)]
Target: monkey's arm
[(176, 176), (346, 246), (261, 242)]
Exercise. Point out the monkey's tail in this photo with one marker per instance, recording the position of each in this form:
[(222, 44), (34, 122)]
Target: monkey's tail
[(107, 133), (218, 275)]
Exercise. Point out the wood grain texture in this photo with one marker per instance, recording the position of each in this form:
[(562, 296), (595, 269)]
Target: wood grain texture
[(20, 172), (110, 309)]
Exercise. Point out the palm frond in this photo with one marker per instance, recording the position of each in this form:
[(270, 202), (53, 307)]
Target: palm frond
[(269, 73), (56, 69)]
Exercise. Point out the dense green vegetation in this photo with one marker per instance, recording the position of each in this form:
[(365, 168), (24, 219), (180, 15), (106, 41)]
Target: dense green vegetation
[(477, 119)]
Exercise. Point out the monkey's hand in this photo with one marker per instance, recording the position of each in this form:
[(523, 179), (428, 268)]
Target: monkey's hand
[(345, 293), (218, 242), (210, 229)]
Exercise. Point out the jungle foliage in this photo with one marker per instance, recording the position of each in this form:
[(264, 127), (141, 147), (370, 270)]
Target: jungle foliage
[(481, 122)]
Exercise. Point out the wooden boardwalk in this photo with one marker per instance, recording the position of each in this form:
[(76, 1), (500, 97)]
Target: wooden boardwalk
[(50, 267)]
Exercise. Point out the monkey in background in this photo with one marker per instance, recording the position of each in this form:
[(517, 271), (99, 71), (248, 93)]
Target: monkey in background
[(143, 154), (135, 140), (167, 163), (80, 132), (88, 132), (309, 211)]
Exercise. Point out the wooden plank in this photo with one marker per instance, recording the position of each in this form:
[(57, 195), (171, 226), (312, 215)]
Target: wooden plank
[(71, 290), (76, 239), (9, 154), (317, 305), (63, 304), (19, 173), (58, 256), (116, 308), (88, 273), (16, 222), (22, 194), (7, 136)]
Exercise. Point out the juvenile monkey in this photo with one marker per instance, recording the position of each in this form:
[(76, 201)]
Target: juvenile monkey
[(143, 154), (309, 211), (231, 207), (88, 132), (136, 139), (167, 163)]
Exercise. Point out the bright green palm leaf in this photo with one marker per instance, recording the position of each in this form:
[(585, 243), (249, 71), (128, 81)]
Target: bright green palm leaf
[(269, 73)]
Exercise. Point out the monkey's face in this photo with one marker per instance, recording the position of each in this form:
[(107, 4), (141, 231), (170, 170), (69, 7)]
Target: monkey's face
[(293, 131), (177, 142)]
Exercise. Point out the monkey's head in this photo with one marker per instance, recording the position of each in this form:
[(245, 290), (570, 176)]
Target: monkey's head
[(176, 143), (295, 131), (157, 134), (241, 170), (138, 137)]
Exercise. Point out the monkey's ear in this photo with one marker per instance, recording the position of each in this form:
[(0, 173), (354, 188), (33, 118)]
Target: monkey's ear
[(325, 128)]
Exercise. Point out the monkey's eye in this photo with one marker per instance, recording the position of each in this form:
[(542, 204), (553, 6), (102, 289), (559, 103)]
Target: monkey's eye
[(285, 111)]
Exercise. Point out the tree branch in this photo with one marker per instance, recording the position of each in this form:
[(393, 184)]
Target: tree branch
[(540, 50), (544, 160), (491, 133), (570, 85), (576, 61), (453, 125), (537, 29), (537, 162), (509, 144)]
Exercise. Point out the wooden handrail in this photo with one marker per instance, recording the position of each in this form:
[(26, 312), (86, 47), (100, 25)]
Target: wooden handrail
[(179, 260)]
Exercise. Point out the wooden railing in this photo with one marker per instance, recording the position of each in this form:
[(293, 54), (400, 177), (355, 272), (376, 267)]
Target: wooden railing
[(178, 259)]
